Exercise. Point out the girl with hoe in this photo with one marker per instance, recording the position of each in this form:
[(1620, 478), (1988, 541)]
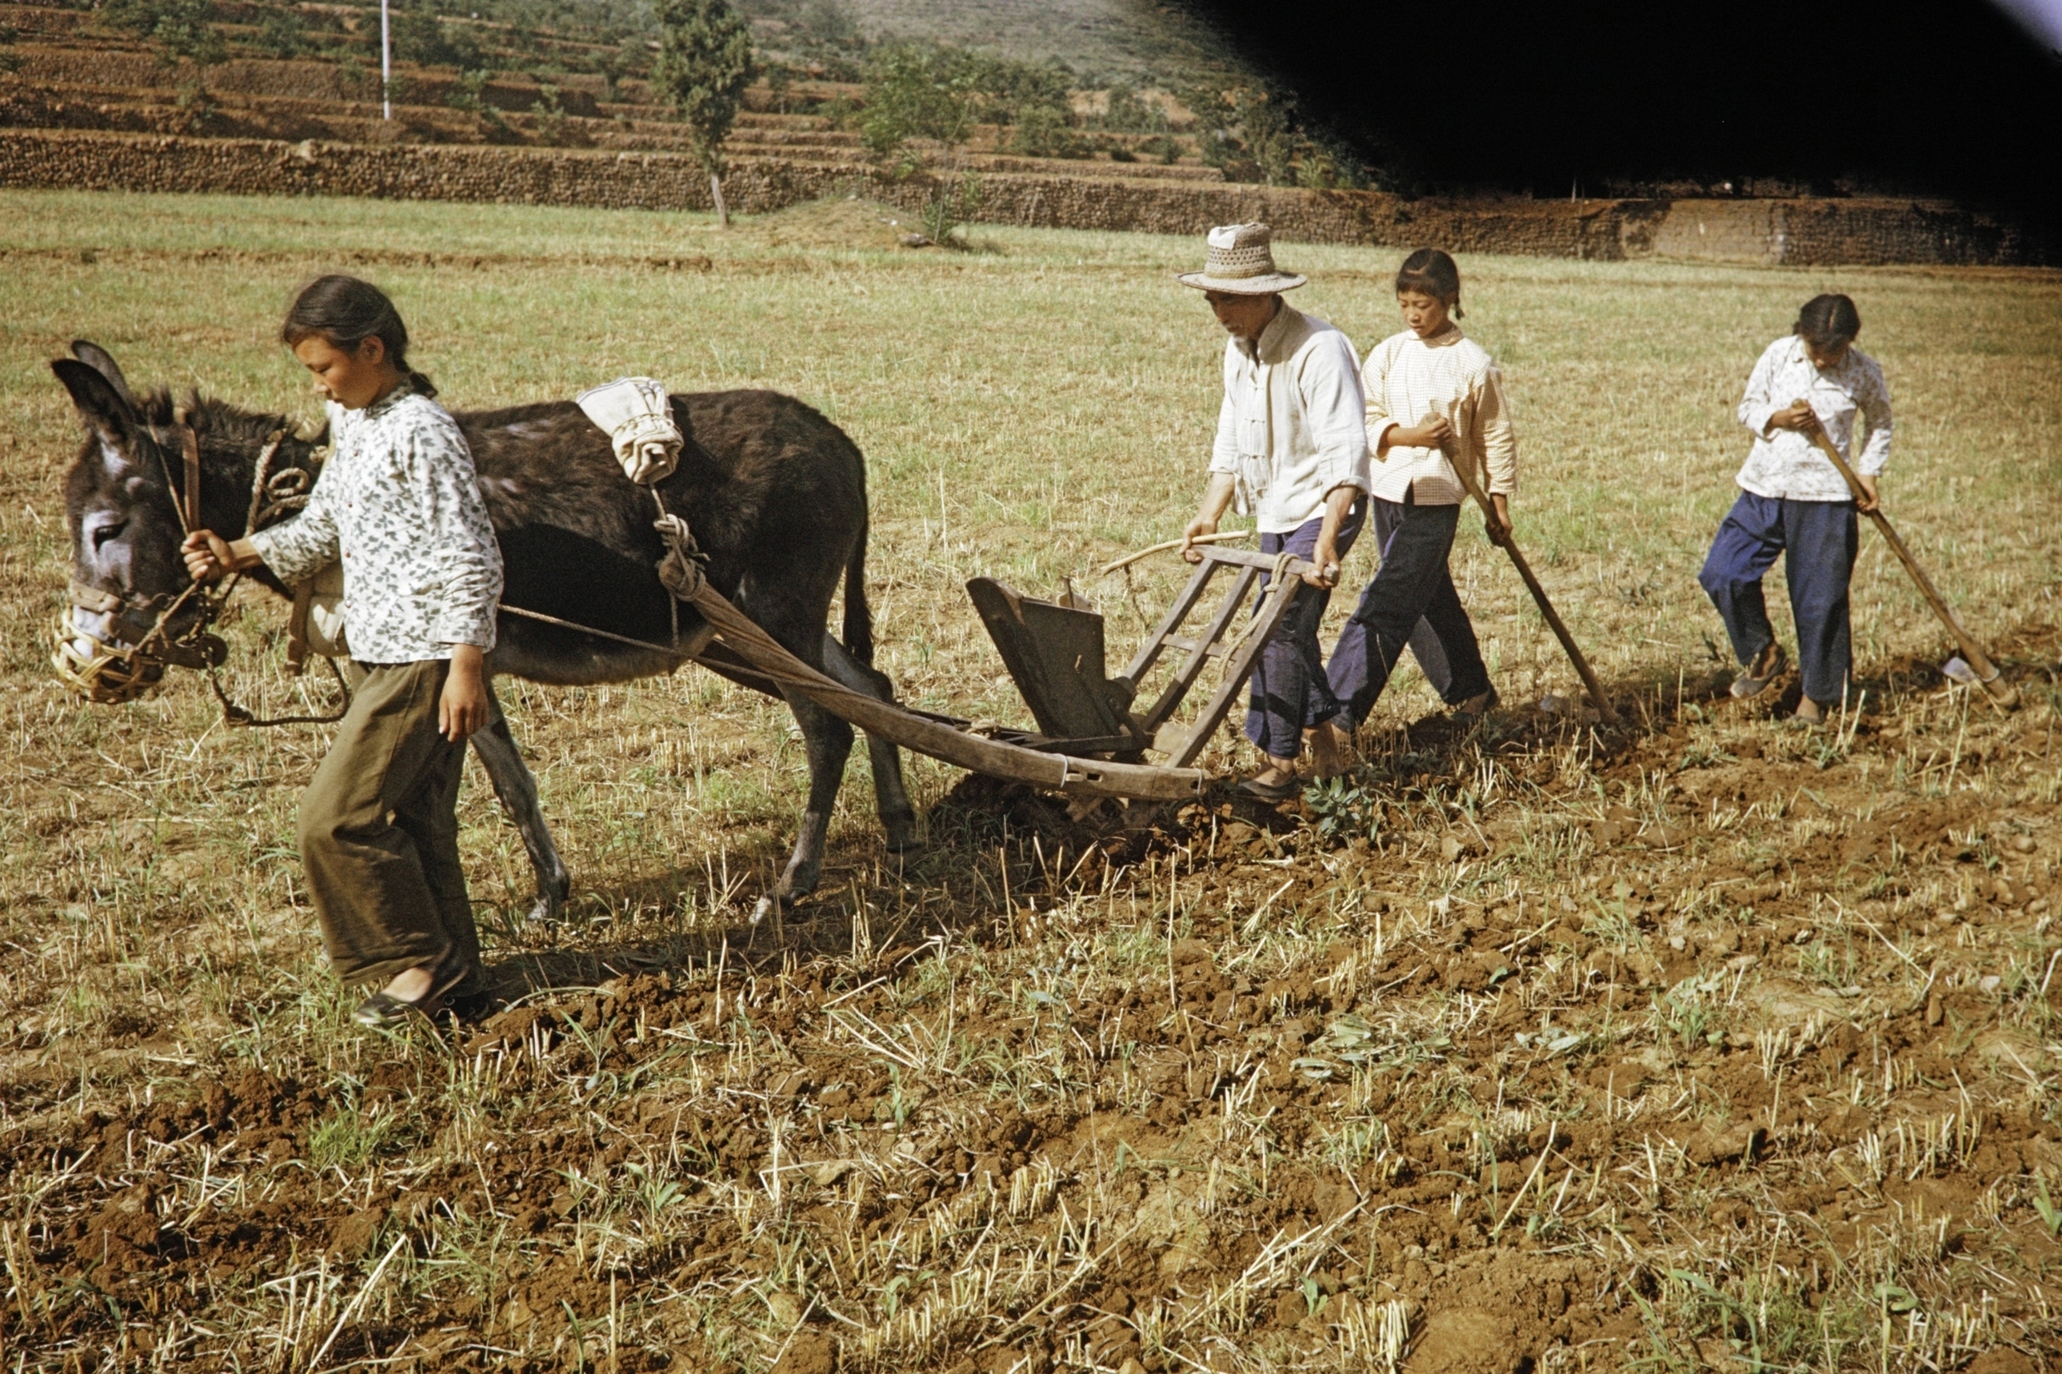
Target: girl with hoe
[(1434, 399), (1794, 502), (399, 504)]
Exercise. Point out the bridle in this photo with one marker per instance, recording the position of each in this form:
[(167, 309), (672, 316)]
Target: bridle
[(111, 672)]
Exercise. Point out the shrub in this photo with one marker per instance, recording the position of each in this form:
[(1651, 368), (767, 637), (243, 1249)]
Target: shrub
[(283, 33), (552, 127), (1046, 132), (1165, 147), (1130, 113), (422, 38), (826, 25), (1009, 92), (468, 93), (177, 28), (618, 62)]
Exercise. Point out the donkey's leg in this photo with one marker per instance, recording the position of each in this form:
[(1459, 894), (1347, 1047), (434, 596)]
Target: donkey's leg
[(517, 790), (891, 798), (827, 741)]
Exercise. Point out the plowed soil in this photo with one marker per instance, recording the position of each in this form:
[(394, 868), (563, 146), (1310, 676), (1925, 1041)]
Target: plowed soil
[(1682, 1013)]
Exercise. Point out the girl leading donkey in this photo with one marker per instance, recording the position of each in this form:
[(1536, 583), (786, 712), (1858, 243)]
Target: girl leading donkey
[(399, 503)]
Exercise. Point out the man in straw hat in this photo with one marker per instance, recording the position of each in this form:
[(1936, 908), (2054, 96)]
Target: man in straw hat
[(1291, 451)]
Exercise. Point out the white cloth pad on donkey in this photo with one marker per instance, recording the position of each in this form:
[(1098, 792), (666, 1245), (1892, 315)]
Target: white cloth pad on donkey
[(638, 419)]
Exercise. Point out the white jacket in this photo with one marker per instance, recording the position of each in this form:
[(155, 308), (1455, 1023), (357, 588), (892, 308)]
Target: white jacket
[(1291, 427)]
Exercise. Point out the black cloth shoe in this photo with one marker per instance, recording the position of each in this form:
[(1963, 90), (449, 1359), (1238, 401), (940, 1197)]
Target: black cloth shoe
[(1748, 685), (383, 1013), (1478, 706), (1268, 791)]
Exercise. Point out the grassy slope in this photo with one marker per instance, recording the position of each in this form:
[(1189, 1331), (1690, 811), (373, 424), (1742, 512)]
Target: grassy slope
[(1028, 411), (1106, 38)]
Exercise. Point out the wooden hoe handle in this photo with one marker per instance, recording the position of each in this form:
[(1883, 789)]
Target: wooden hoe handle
[(2000, 691), (1539, 596)]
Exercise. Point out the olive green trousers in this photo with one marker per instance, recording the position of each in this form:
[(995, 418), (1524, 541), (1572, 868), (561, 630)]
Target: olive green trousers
[(379, 836)]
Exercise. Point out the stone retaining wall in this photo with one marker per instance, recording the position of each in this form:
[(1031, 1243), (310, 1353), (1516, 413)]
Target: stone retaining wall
[(1800, 232), (54, 68)]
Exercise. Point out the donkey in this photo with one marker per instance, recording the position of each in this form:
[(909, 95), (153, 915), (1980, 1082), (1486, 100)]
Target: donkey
[(773, 492)]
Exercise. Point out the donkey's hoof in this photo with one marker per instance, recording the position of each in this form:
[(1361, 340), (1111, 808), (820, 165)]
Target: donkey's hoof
[(766, 906), (901, 856), (549, 905)]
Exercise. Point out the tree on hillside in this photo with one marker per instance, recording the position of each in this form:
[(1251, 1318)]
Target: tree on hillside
[(936, 91), (703, 67), (1253, 134), (918, 91), (283, 33)]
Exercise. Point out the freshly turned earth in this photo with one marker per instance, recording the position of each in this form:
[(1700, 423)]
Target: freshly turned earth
[(1704, 1030)]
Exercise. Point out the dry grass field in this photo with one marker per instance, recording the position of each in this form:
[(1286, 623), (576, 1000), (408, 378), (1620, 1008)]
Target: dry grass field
[(1700, 1043)]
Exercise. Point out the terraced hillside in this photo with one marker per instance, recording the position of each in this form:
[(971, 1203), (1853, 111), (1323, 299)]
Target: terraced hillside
[(509, 83)]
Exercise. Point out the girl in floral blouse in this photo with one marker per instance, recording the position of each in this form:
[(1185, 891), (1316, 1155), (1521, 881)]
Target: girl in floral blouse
[(1793, 502), (399, 504)]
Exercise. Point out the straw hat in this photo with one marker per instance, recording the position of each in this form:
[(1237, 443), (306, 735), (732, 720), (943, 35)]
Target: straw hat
[(1241, 263)]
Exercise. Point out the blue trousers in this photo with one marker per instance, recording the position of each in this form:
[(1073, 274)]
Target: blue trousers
[(1819, 539), (1288, 692), (1411, 601)]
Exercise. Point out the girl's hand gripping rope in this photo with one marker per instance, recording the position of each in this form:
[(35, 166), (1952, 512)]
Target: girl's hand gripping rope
[(209, 556)]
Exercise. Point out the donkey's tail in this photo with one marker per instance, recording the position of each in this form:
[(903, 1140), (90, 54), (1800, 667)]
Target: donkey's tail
[(858, 615)]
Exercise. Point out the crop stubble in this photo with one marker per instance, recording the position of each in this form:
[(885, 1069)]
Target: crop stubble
[(1702, 1040)]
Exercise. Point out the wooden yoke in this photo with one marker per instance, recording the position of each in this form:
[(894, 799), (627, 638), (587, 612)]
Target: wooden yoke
[(1539, 596), (1993, 681)]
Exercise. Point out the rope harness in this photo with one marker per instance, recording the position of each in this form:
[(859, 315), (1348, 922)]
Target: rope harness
[(683, 572)]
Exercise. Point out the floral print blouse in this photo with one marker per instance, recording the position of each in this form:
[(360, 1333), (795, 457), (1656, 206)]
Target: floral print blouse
[(1788, 465), (400, 504)]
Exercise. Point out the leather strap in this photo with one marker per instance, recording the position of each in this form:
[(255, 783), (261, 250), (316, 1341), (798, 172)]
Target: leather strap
[(190, 442), (94, 599), (297, 628)]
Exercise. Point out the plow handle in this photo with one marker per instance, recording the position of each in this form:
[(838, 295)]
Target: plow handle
[(1994, 684)]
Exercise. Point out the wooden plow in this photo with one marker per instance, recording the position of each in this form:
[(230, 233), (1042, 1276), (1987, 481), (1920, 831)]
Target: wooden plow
[(1088, 741)]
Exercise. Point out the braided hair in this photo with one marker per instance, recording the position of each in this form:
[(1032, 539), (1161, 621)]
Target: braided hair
[(344, 312)]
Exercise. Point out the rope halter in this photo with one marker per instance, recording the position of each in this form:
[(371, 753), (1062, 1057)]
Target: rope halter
[(110, 672)]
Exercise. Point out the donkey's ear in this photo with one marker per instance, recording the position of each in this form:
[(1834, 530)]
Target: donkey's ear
[(103, 362), (106, 412)]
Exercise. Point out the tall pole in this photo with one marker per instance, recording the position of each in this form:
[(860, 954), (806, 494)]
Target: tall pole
[(386, 64)]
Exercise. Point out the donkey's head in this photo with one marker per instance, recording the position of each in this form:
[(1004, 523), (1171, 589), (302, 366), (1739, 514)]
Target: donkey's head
[(131, 612)]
